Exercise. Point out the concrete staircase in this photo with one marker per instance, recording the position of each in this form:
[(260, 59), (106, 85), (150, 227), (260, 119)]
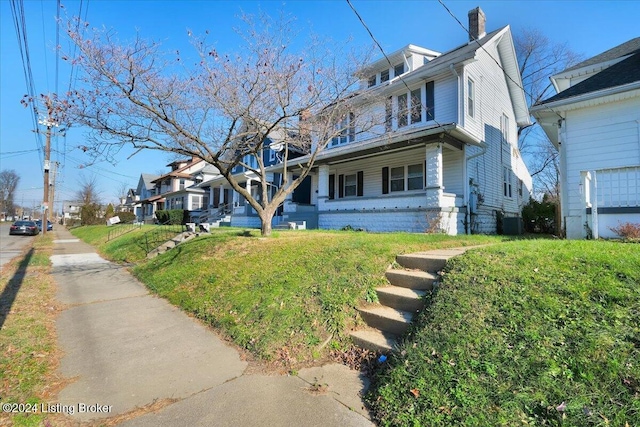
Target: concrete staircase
[(401, 299), (182, 237)]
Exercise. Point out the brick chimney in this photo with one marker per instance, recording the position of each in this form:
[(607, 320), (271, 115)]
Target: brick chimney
[(477, 22)]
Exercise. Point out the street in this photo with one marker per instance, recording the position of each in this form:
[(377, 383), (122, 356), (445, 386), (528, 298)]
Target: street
[(11, 246)]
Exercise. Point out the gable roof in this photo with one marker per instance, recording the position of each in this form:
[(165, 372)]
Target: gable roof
[(148, 179), (622, 73), (619, 51)]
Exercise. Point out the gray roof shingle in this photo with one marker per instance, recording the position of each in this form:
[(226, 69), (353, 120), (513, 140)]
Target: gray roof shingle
[(623, 49)]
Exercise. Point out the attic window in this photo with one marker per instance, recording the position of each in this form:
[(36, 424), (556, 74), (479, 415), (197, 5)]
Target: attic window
[(398, 70), (384, 76), (372, 81)]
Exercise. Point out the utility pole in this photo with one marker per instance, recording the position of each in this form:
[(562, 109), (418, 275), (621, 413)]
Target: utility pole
[(52, 186), (49, 123)]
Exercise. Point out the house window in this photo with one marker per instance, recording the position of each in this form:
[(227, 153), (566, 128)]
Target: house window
[(372, 81), (520, 188), (384, 76), (416, 106), (506, 181), (349, 185), (471, 97), (402, 110), (398, 70), (272, 155), (415, 177), (182, 183), (430, 101), (332, 186), (388, 114), (196, 203), (505, 130), (397, 179), (345, 130)]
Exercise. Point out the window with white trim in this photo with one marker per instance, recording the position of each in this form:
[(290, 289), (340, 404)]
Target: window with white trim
[(345, 129), (350, 185), (372, 81), (471, 97), (196, 202), (398, 70), (415, 177), (504, 124), (506, 182), (396, 179), (182, 184), (388, 114), (384, 76)]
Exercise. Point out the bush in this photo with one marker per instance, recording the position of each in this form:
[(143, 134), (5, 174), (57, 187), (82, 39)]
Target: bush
[(89, 214), (172, 216), (109, 212), (627, 231), (127, 217), (540, 217)]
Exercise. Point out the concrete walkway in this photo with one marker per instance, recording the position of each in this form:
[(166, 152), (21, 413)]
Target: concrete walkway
[(125, 349)]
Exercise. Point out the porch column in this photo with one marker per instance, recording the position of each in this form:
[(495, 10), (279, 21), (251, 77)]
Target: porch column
[(323, 185), (247, 207), (220, 196), (434, 188)]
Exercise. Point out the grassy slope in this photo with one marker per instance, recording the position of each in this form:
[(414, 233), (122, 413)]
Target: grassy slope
[(283, 296), (534, 333)]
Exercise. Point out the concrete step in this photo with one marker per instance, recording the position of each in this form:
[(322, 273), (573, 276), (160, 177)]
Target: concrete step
[(374, 340), (404, 299), (411, 279), (424, 262), (386, 319)]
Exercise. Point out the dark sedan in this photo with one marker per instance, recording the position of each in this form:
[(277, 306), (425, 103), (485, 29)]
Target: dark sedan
[(29, 228), (49, 225)]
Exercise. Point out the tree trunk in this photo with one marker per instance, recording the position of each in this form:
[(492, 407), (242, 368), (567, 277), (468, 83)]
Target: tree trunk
[(265, 218)]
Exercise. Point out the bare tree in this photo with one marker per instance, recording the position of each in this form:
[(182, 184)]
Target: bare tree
[(225, 108), (9, 180), (539, 59)]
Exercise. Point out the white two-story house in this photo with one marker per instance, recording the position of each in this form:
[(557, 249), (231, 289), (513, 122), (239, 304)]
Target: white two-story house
[(442, 154)]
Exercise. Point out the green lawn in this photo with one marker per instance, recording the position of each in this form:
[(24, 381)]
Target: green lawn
[(527, 333)]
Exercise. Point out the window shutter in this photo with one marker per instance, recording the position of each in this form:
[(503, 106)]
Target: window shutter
[(340, 186), (385, 180), (360, 183), (332, 186)]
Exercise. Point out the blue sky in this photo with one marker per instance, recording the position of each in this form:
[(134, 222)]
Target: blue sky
[(589, 27)]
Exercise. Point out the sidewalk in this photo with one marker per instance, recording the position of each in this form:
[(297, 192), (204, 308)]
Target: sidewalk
[(126, 349)]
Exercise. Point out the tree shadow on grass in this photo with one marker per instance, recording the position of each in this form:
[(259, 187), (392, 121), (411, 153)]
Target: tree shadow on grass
[(12, 288)]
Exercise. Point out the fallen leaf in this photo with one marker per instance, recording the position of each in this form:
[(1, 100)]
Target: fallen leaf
[(415, 392)]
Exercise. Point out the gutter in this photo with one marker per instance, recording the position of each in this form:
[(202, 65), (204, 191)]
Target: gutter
[(586, 97)]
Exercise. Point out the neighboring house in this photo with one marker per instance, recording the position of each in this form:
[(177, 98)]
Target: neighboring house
[(71, 210), (176, 189), (147, 200), (443, 156), (594, 122), (129, 203)]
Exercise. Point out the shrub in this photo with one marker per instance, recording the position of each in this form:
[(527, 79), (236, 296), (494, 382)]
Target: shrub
[(539, 217), (172, 216), (109, 212), (127, 216), (90, 214), (627, 231)]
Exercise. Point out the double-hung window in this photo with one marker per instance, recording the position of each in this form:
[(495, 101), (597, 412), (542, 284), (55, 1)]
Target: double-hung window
[(415, 177), (345, 130), (505, 130), (398, 70), (372, 81), (396, 179), (506, 182), (384, 76), (182, 184), (349, 185)]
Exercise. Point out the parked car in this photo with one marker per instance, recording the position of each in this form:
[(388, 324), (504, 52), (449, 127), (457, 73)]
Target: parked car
[(49, 225), (29, 228)]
